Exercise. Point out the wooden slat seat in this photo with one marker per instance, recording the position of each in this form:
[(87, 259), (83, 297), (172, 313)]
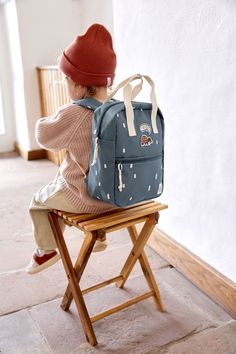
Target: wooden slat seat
[(92, 225)]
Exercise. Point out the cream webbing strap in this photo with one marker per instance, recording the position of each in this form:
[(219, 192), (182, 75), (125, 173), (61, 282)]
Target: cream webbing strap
[(153, 100), (137, 89), (128, 94), (122, 84)]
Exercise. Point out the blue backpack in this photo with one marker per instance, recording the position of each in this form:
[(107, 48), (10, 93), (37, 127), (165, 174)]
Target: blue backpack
[(127, 151)]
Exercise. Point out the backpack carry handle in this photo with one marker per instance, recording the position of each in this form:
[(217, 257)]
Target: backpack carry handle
[(129, 94), (122, 84)]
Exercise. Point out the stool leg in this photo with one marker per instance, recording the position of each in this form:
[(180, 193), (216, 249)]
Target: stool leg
[(137, 249), (71, 275), (147, 271), (79, 267)]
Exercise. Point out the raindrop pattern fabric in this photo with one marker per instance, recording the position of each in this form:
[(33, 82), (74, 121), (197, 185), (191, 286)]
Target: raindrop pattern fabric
[(125, 170)]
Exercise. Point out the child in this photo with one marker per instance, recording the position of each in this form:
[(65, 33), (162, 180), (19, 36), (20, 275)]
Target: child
[(89, 66)]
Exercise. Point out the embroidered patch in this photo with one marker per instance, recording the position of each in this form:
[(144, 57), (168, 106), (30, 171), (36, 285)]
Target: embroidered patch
[(144, 127), (145, 140)]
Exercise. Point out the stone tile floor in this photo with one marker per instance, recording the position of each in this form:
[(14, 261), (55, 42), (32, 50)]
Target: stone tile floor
[(32, 322)]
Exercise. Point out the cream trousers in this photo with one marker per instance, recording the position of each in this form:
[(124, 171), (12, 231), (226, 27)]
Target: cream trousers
[(48, 197)]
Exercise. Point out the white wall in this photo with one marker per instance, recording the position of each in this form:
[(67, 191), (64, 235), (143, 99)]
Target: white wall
[(17, 76), (96, 11), (44, 31), (189, 49), (8, 137)]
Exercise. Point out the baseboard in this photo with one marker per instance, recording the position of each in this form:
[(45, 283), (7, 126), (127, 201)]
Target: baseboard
[(30, 154), (218, 287)]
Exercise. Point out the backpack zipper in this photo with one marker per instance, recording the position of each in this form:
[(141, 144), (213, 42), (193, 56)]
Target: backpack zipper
[(105, 111), (95, 152), (120, 167), (139, 159)]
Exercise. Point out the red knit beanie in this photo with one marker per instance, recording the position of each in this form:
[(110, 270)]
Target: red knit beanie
[(90, 60)]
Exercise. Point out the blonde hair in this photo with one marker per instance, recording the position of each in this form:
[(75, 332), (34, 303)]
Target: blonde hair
[(92, 90)]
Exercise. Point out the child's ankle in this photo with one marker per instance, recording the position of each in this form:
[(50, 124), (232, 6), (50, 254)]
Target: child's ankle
[(42, 251)]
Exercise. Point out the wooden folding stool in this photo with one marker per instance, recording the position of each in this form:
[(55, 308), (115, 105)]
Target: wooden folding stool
[(92, 225)]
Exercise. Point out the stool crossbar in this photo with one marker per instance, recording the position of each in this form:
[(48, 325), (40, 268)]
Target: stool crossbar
[(95, 226)]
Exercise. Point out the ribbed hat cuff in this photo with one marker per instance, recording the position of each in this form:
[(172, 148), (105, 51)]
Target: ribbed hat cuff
[(84, 78)]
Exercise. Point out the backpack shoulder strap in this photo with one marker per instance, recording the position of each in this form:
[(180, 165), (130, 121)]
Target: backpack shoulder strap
[(89, 103), (92, 104)]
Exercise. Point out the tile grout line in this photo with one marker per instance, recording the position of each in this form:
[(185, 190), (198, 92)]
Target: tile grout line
[(180, 340), (31, 306), (41, 332), (13, 271)]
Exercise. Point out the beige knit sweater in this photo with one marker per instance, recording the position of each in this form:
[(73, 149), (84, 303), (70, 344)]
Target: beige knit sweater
[(71, 129)]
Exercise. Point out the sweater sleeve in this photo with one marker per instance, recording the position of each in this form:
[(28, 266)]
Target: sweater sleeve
[(56, 132)]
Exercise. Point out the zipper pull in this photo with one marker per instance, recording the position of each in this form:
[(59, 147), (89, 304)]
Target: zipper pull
[(120, 186), (95, 153)]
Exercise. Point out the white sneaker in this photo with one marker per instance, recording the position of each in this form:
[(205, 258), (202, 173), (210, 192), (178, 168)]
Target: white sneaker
[(41, 260)]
